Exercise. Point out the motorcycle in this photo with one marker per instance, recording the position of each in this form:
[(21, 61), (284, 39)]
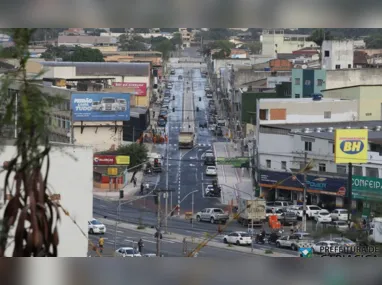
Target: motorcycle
[(260, 239)]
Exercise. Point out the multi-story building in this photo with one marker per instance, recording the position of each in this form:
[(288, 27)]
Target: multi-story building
[(286, 149), (87, 41), (337, 54), (70, 184), (306, 82), (275, 41), (368, 97)]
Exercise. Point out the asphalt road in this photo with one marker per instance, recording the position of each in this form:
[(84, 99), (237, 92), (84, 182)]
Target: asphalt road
[(168, 247)]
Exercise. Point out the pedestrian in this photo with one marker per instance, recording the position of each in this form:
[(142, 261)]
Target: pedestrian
[(135, 182), (153, 114), (142, 187), (101, 242), (140, 245)]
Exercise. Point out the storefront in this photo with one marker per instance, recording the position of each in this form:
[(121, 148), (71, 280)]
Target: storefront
[(327, 192), (367, 193)]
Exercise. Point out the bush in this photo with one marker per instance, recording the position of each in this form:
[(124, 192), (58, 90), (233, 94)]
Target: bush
[(268, 251), (141, 227)]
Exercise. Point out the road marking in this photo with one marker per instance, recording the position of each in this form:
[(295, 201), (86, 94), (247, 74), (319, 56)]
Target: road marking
[(121, 232), (149, 241)]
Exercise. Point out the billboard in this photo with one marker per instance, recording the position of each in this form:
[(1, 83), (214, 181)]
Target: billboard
[(351, 146), (108, 159), (316, 184), (140, 88), (367, 188), (100, 106)]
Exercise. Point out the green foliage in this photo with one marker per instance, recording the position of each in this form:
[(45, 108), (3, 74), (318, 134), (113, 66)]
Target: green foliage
[(46, 34), (374, 41), (8, 52), (254, 47), (137, 152), (131, 43), (118, 30), (142, 30), (80, 54), (177, 39), (217, 34), (169, 30), (141, 227), (165, 46), (319, 35), (96, 32), (268, 251), (53, 52)]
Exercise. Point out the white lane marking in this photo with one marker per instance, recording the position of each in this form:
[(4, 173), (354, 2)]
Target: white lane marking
[(149, 241), (121, 232)]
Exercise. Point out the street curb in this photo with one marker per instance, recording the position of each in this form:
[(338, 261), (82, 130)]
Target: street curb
[(258, 252)]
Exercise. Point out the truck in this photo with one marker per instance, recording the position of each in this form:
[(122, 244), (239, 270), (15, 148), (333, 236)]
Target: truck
[(251, 210), (186, 139), (212, 215)]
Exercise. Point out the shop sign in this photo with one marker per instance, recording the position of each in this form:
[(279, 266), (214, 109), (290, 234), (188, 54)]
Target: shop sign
[(234, 161), (351, 146), (315, 184), (366, 188)]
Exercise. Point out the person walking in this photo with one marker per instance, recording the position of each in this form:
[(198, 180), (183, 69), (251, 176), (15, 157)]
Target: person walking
[(135, 182), (140, 245), (101, 242)]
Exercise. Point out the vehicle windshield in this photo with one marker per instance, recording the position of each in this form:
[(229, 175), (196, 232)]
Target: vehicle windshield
[(324, 214), (130, 251), (218, 211), (95, 222), (244, 235), (306, 237), (108, 100)]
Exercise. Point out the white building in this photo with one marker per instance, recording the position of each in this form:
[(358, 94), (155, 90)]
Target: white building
[(272, 81), (70, 176), (282, 149), (275, 41), (305, 110), (337, 54)]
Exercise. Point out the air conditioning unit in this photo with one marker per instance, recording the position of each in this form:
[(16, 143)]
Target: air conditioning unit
[(307, 130), (318, 130), (378, 128), (330, 129), (348, 127), (365, 127)]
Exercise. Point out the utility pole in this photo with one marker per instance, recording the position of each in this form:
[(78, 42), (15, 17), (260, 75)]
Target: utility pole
[(192, 210), (166, 197), (158, 225), (304, 194), (257, 139), (349, 191)]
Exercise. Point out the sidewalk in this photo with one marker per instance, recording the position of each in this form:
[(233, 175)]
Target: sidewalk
[(229, 177), (179, 238)]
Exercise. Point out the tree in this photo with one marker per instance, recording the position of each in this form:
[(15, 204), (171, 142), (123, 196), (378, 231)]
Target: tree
[(254, 47), (177, 39), (165, 47), (142, 30), (319, 35), (216, 34), (84, 55), (131, 43), (96, 32), (374, 42), (29, 209), (137, 152), (53, 52), (8, 52)]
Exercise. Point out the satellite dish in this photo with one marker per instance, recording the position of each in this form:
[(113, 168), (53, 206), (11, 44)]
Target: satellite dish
[(304, 66)]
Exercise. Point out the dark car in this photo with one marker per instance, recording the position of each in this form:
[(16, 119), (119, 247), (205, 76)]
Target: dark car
[(161, 122), (209, 160), (287, 218), (163, 114)]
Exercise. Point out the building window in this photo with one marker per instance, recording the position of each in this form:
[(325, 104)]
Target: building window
[(268, 162), (322, 167), (308, 146), (264, 114), (297, 95), (333, 148), (341, 169), (320, 82), (372, 172), (307, 82), (283, 165), (297, 81), (368, 114), (349, 65), (327, 115), (357, 170), (338, 66), (327, 53)]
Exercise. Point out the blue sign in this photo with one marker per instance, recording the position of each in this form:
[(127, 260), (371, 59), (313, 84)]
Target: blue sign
[(100, 106), (320, 184)]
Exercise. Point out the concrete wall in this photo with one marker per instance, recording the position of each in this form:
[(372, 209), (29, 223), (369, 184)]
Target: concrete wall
[(220, 63), (71, 176), (340, 53), (309, 111), (101, 138), (300, 77), (245, 76), (353, 77)]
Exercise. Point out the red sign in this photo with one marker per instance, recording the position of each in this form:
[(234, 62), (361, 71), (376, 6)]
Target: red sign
[(140, 88), (341, 191), (104, 160)]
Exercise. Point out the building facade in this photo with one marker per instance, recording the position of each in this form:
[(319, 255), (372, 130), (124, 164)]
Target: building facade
[(299, 111), (337, 54), (70, 178), (275, 41), (369, 99), (306, 82), (277, 161)]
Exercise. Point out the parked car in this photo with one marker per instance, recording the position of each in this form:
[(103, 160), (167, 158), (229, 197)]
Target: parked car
[(323, 216), (345, 244), (209, 160), (340, 226), (161, 122), (127, 252), (213, 215), (211, 192), (211, 171), (96, 227), (294, 209), (326, 247), (238, 238), (287, 218), (339, 214), (311, 211), (275, 205), (163, 113), (295, 241)]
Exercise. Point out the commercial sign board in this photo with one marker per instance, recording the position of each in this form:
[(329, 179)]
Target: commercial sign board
[(366, 188), (351, 146), (103, 159), (316, 184), (140, 88), (234, 161), (100, 106)]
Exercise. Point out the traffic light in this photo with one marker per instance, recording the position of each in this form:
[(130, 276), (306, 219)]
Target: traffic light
[(121, 194)]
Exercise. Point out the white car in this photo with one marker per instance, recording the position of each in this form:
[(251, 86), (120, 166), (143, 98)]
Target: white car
[(346, 244), (238, 238), (96, 227), (311, 211), (340, 226), (211, 171), (294, 209), (326, 247), (339, 214), (127, 252), (323, 216)]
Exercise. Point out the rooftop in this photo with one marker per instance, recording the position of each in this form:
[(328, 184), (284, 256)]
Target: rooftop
[(301, 100), (354, 86)]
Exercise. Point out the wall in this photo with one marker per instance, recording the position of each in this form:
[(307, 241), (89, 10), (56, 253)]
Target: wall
[(269, 42), (245, 76), (353, 77), (340, 53), (72, 179), (100, 138), (248, 105), (309, 111), (274, 80), (220, 63), (370, 103), (310, 81)]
